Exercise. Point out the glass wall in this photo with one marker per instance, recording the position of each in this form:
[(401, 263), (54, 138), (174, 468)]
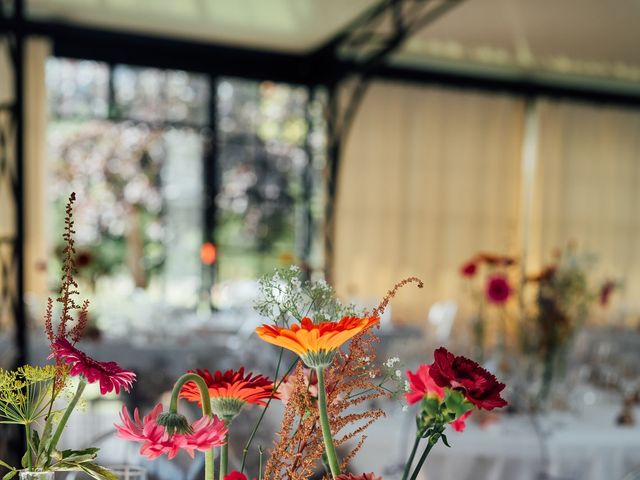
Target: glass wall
[(138, 148)]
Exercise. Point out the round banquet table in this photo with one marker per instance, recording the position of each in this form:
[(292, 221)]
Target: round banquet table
[(584, 446), (588, 446)]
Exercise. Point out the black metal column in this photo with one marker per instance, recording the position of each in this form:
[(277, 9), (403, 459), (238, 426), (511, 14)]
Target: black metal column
[(210, 174), (12, 173), (19, 304)]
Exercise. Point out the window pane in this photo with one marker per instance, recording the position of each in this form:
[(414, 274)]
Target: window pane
[(263, 205), (139, 185), (77, 88), (156, 95)]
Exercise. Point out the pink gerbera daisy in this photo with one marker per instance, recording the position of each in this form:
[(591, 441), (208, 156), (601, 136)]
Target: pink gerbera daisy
[(205, 433), (109, 374)]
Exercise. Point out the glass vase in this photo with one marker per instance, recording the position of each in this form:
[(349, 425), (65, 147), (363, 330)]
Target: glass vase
[(31, 475), (129, 472)]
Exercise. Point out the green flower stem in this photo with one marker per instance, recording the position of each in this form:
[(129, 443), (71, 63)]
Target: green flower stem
[(245, 451), (27, 430), (330, 449), (423, 458), (206, 410), (414, 450), (224, 450), (65, 417)]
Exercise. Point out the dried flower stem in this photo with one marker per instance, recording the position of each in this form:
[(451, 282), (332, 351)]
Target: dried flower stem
[(379, 310)]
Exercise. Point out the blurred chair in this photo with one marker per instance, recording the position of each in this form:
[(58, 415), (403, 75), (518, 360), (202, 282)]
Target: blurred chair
[(441, 318)]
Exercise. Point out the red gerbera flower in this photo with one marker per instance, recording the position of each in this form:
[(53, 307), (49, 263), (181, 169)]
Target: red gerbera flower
[(205, 433), (498, 289), (469, 269), (479, 386), (109, 374), (231, 390)]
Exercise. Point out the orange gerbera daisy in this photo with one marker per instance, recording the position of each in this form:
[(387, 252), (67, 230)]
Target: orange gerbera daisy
[(230, 391), (316, 343)]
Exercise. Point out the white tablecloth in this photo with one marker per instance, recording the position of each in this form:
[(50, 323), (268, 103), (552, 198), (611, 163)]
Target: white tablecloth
[(588, 446)]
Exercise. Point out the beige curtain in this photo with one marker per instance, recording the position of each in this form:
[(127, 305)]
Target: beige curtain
[(587, 189), (7, 214), (429, 177), (37, 51)]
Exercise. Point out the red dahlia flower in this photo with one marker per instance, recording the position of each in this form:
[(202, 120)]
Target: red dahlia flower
[(479, 386), (109, 374), (206, 433), (498, 289)]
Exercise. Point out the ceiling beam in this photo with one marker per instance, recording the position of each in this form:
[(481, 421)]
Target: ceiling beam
[(163, 52)]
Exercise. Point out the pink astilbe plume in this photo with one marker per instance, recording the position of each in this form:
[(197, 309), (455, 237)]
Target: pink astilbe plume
[(73, 321)]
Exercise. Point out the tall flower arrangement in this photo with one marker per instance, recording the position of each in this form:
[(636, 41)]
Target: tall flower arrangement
[(29, 396), (563, 300), (489, 281), (327, 388)]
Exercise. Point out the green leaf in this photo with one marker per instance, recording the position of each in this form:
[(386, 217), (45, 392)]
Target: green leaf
[(71, 454), (98, 472), (46, 437), (430, 406), (456, 402), (25, 459), (35, 440), (6, 465), (9, 475), (444, 440)]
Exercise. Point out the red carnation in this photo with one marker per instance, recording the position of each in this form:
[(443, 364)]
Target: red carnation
[(498, 289), (479, 386), (469, 269)]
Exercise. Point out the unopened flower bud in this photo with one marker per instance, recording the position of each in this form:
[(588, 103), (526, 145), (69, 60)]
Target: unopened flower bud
[(174, 422)]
